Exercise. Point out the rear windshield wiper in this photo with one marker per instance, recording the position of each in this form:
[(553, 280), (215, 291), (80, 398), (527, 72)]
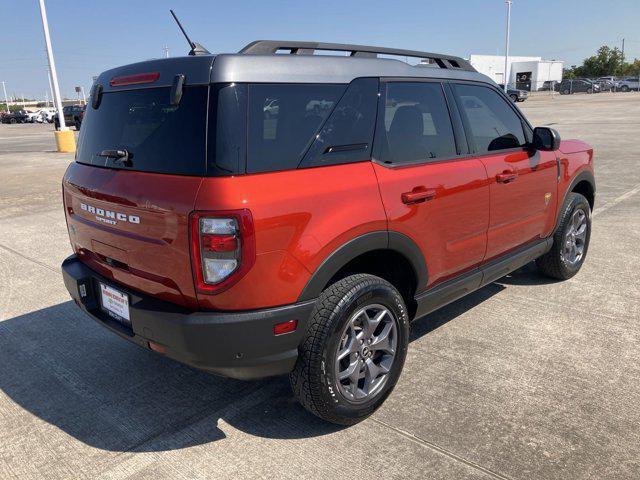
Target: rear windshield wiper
[(118, 156)]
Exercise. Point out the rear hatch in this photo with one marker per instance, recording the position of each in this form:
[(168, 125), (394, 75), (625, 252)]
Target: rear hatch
[(128, 216)]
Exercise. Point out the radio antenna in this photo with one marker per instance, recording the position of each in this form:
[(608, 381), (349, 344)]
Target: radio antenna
[(196, 48)]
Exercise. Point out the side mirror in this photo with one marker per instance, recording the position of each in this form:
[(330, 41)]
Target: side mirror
[(546, 139)]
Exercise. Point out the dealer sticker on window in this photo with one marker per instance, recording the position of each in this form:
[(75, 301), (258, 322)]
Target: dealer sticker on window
[(115, 303)]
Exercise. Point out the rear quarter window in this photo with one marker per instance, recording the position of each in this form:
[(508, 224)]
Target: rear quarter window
[(283, 120)]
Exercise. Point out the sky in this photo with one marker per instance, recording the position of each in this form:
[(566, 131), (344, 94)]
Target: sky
[(90, 36)]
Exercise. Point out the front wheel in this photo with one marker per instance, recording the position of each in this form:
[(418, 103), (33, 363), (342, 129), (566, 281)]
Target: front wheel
[(514, 98), (354, 349), (570, 241)]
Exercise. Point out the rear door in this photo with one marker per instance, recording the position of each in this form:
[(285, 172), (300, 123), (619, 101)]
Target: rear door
[(431, 191), (523, 182), (128, 217)]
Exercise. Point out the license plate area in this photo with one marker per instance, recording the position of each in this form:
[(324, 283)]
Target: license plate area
[(115, 303)]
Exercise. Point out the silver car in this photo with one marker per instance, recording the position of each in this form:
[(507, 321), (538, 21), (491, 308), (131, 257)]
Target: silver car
[(628, 84)]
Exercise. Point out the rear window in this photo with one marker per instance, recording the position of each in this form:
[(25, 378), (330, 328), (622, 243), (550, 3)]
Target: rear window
[(159, 137)]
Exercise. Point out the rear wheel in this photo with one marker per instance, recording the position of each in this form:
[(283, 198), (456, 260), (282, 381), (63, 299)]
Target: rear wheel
[(566, 91), (570, 241), (625, 88), (354, 350)]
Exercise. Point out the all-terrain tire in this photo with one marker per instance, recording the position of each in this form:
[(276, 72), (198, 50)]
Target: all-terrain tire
[(314, 378), (553, 263)]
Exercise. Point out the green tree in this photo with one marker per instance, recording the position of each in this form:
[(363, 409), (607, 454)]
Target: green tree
[(607, 61), (631, 69)]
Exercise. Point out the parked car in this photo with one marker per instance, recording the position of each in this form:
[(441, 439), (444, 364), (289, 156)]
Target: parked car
[(569, 86), (73, 116), (612, 79), (19, 116), (48, 114), (515, 94), (304, 244), (605, 85), (34, 117), (629, 84), (547, 86)]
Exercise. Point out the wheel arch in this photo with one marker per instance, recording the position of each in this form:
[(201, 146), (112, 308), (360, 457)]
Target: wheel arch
[(587, 189), (381, 252), (583, 183)]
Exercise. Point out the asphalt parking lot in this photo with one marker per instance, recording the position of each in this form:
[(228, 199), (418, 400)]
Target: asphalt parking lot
[(524, 379)]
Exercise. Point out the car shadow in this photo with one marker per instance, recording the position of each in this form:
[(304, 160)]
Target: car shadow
[(527, 275), (70, 372)]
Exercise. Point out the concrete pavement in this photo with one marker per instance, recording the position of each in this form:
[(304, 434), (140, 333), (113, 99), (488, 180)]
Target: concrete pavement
[(524, 379)]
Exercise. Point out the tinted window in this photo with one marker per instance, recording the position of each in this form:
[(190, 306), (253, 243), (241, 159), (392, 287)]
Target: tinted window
[(490, 121), (227, 129), (416, 125), (160, 137), (282, 121), (348, 132)]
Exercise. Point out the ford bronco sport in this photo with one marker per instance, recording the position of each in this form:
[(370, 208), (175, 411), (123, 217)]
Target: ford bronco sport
[(284, 211)]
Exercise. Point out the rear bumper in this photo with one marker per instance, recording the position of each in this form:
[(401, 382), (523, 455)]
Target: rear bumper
[(233, 344)]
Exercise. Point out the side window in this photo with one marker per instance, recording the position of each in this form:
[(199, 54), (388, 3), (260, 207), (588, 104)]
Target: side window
[(489, 119), (227, 141), (282, 121), (347, 134), (416, 125)]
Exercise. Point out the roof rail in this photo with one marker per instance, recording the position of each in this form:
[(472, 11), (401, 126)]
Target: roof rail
[(270, 47)]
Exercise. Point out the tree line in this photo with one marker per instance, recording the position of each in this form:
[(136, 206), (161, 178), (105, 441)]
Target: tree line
[(607, 61)]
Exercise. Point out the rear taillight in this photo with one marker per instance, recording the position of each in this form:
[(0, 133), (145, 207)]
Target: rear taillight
[(222, 248)]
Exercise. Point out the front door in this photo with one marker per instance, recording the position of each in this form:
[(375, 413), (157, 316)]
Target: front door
[(430, 192), (523, 182)]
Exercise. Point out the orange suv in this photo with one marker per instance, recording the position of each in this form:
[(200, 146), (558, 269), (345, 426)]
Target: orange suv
[(260, 213)]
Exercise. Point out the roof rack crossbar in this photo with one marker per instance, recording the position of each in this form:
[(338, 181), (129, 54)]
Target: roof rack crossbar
[(270, 47)]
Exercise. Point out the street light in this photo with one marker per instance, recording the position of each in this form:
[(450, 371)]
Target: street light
[(6, 100), (506, 47), (64, 138)]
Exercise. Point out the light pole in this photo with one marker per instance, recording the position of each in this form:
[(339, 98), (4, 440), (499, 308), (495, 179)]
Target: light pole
[(6, 100), (506, 47), (50, 85), (52, 66), (65, 139)]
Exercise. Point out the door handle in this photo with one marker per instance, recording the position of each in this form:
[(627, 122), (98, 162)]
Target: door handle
[(418, 195), (506, 177)]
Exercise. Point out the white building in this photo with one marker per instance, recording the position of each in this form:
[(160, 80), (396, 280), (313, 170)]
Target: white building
[(526, 73)]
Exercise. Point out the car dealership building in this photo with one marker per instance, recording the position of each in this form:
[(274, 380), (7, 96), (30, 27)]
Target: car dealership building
[(525, 73)]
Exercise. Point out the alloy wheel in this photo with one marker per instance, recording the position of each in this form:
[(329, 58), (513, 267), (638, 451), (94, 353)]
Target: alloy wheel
[(366, 352), (575, 238)]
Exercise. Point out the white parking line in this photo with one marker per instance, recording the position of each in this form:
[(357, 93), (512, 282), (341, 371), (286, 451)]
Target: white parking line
[(616, 201)]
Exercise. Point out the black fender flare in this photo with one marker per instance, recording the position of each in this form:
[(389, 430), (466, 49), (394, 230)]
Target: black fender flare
[(585, 175), (368, 242)]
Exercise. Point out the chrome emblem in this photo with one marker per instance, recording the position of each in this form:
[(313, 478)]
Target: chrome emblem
[(108, 216)]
